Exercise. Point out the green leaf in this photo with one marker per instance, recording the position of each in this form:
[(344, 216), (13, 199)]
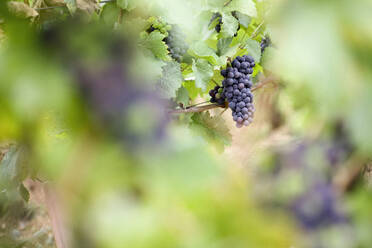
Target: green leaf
[(71, 5), (244, 20), (193, 91), (246, 7), (110, 13), (213, 129), (154, 42), (24, 192), (223, 45), (171, 79), (254, 49), (153, 66), (12, 169), (201, 50), (229, 25), (203, 72), (182, 96), (126, 4), (267, 56)]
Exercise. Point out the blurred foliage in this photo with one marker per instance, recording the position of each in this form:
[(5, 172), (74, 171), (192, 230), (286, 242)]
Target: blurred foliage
[(85, 93)]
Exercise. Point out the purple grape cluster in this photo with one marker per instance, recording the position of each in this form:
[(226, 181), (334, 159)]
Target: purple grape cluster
[(265, 42), (318, 207), (237, 89), (217, 95)]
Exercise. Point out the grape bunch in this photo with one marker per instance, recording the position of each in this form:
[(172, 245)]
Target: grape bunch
[(219, 18), (217, 95), (265, 42), (237, 89), (175, 41)]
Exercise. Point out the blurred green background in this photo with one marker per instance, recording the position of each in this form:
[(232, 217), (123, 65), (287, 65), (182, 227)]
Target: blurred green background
[(85, 127)]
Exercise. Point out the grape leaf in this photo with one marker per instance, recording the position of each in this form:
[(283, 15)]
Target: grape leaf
[(154, 42), (171, 79), (213, 129), (229, 25), (110, 13), (246, 7), (254, 49), (24, 192), (203, 72), (71, 5), (267, 56), (244, 20), (223, 45), (192, 89), (182, 96), (126, 4), (201, 50), (12, 168)]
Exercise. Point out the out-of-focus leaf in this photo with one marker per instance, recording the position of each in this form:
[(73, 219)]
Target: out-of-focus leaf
[(213, 129), (22, 9), (126, 4), (171, 79), (71, 5), (203, 73), (229, 25), (12, 168), (154, 42), (246, 7), (24, 192), (110, 13)]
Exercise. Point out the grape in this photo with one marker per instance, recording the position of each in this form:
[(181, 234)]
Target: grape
[(265, 42), (318, 207), (238, 93), (217, 95)]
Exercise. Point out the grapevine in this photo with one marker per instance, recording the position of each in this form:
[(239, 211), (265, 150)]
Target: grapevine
[(129, 115)]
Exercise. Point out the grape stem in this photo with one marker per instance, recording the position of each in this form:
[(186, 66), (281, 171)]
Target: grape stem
[(255, 32), (198, 109), (227, 3)]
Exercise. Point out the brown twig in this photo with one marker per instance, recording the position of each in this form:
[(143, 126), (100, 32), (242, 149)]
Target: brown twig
[(196, 109), (55, 212), (197, 104), (215, 82), (254, 34), (227, 3)]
